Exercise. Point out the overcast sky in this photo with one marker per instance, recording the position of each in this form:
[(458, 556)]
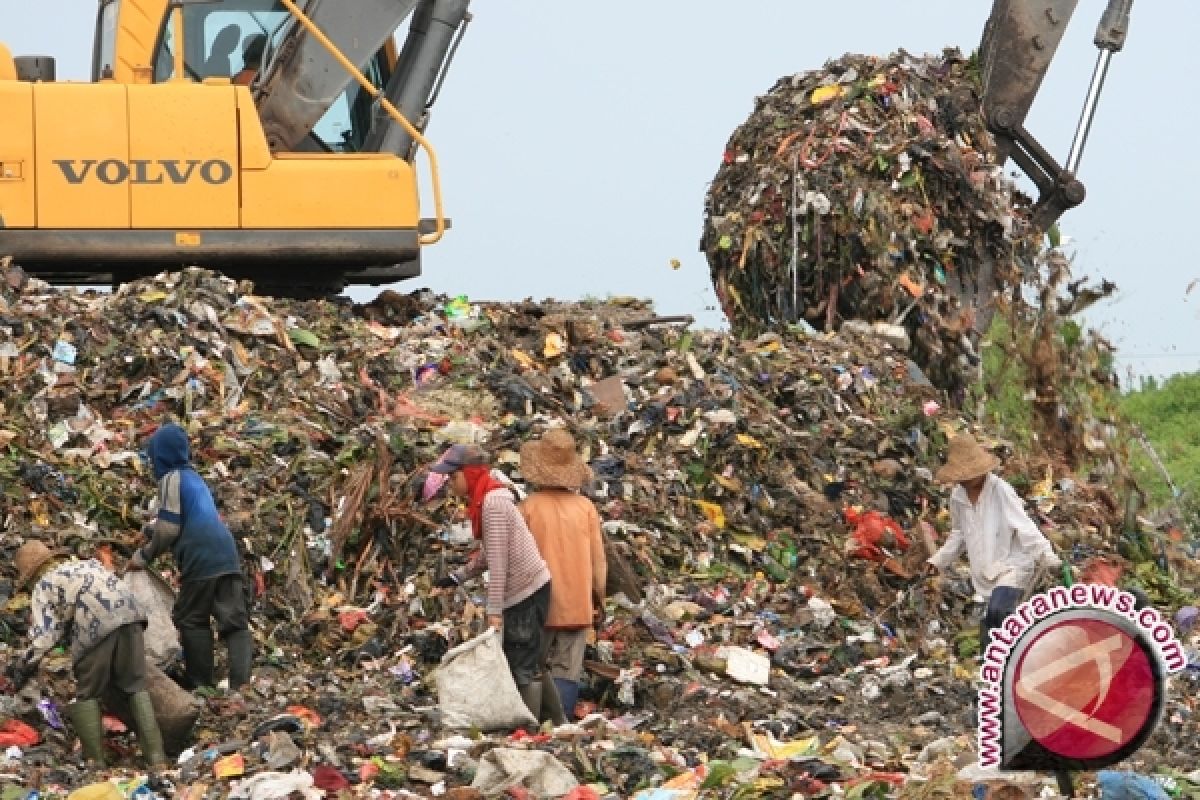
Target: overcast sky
[(577, 140)]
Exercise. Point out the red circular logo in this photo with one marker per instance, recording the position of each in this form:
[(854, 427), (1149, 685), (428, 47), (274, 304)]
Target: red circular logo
[(1084, 688)]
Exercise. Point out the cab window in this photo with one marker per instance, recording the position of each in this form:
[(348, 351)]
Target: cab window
[(345, 124), (220, 40), (106, 40), (230, 40)]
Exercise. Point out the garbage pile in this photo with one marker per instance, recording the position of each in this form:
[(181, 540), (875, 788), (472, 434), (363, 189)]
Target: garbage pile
[(767, 502), (866, 192)]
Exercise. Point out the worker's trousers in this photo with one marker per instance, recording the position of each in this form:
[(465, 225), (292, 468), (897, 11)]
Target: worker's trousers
[(1004, 601), (200, 603), (118, 661)]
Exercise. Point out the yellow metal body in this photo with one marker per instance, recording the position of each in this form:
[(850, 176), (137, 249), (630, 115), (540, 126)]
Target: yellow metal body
[(174, 155), (392, 111), (180, 164)]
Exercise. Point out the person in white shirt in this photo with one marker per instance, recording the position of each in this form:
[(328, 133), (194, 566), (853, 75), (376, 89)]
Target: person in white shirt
[(1004, 546)]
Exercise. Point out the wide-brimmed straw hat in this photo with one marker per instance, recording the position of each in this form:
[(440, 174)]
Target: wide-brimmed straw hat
[(30, 558), (965, 460), (552, 462)]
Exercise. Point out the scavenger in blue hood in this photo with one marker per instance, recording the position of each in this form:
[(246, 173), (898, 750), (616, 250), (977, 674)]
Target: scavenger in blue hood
[(189, 525), (168, 450)]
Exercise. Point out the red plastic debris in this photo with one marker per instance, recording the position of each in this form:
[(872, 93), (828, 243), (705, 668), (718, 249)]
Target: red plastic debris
[(349, 620), (1100, 570), (872, 533), (329, 778), (14, 733), (582, 793), (309, 717), (114, 725)]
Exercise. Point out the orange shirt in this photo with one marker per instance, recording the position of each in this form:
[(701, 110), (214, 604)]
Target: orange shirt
[(566, 528)]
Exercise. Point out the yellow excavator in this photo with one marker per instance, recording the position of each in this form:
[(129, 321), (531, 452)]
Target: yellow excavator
[(274, 140)]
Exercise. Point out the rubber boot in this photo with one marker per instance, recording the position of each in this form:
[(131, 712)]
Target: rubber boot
[(89, 727), (568, 693), (552, 707), (241, 656), (531, 693), (198, 656), (146, 725)]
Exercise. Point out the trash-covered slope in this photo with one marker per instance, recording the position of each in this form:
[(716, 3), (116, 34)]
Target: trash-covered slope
[(766, 502)]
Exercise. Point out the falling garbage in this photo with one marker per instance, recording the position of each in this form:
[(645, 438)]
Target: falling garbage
[(866, 195)]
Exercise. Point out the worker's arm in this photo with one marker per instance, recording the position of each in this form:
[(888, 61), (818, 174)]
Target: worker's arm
[(599, 560), (1031, 542), (162, 533), (477, 564), (954, 544), (49, 610), (499, 517)]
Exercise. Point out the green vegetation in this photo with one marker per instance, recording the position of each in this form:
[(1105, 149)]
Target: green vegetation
[(1168, 413)]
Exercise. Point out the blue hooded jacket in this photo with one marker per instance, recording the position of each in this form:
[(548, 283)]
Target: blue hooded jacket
[(188, 523)]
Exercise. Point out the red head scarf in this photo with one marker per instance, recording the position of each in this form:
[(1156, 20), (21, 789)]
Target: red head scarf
[(479, 483)]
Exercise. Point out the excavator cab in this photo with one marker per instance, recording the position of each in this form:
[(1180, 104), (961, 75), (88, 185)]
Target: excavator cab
[(237, 40), (257, 137)]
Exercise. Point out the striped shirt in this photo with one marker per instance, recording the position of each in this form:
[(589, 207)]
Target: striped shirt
[(509, 555)]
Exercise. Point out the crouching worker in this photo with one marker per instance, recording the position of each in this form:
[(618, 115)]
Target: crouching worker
[(1004, 546), (518, 592), (566, 527), (91, 607), (212, 587)]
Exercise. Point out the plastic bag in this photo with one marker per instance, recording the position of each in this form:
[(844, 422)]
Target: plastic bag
[(276, 786), (1128, 786), (155, 598), (476, 690), (97, 791), (504, 769), (175, 708), (14, 733), (872, 533)]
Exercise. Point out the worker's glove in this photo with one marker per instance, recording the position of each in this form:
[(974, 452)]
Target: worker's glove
[(447, 582)]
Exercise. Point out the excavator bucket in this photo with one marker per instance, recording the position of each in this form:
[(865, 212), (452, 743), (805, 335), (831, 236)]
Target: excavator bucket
[(1019, 42)]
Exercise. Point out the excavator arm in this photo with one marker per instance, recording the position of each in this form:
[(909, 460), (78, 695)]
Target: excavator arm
[(303, 78), (1019, 43)]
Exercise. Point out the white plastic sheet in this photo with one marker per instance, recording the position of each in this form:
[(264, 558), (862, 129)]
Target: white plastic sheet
[(536, 770)]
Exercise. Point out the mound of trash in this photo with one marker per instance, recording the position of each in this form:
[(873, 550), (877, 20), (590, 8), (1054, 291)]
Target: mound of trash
[(767, 503), (867, 192)]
